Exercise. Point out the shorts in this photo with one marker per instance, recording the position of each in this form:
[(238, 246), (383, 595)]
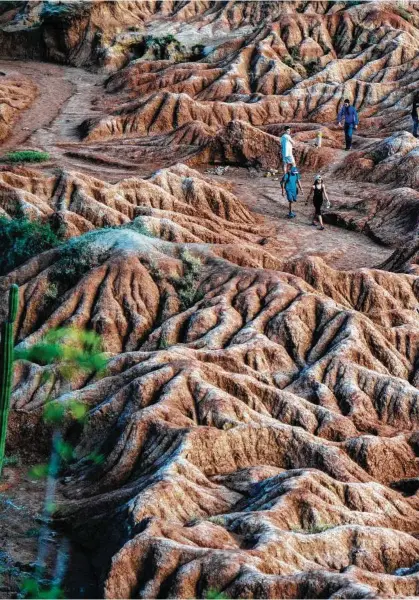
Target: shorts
[(291, 196), (288, 160), (318, 208)]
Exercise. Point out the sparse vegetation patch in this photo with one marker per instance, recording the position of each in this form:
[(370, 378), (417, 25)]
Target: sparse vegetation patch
[(318, 528), (312, 67), (22, 239), (163, 47), (22, 156), (187, 285)]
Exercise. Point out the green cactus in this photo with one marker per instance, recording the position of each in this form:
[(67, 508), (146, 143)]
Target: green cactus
[(6, 368)]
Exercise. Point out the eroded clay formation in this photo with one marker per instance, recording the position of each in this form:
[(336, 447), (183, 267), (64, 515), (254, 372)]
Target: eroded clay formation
[(259, 418)]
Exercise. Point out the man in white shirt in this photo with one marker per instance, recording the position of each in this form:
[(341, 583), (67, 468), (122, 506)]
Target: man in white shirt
[(286, 147)]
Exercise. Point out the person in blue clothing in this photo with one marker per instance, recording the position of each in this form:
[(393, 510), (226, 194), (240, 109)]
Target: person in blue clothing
[(348, 117), (290, 182)]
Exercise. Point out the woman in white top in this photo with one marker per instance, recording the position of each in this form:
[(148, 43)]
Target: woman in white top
[(286, 147)]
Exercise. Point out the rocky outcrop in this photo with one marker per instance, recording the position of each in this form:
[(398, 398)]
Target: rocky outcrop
[(404, 260), (261, 64), (16, 94), (245, 417), (177, 204), (391, 160), (257, 423), (241, 144), (389, 217)]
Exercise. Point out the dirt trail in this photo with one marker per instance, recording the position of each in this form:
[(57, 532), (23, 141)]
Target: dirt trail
[(65, 96), (341, 248), (65, 100), (54, 89)]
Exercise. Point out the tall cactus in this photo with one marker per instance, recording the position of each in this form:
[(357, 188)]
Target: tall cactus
[(6, 368)]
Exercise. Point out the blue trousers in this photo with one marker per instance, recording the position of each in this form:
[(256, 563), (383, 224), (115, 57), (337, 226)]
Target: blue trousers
[(415, 126), (349, 129)]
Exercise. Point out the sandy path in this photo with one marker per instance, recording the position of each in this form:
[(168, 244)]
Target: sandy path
[(65, 100), (341, 248), (54, 89)]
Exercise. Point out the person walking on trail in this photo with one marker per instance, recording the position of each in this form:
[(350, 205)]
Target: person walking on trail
[(286, 148), (348, 117), (319, 195), (290, 182), (415, 115)]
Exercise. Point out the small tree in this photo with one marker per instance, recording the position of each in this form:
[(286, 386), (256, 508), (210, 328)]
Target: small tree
[(69, 351)]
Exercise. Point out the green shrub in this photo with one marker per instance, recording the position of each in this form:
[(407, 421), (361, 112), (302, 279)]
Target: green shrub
[(164, 343), (155, 271), (294, 53), (218, 520), (160, 45), (403, 13), (32, 532), (49, 301), (213, 594), (187, 285), (71, 351), (21, 239), (75, 261), (162, 42), (138, 226), (351, 3), (12, 461), (312, 67), (320, 527), (19, 156), (52, 291)]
